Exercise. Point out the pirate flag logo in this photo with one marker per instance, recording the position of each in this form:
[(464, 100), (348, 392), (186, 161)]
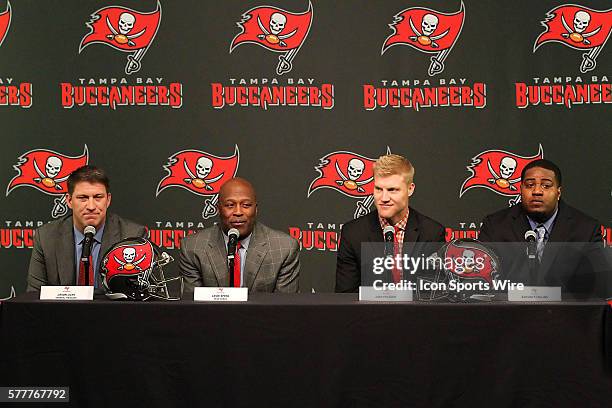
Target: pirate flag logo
[(461, 261), (127, 258), (499, 171), (125, 30), (47, 171), (201, 173), (428, 31), (277, 30), (5, 22), (580, 28), (470, 260), (349, 173)]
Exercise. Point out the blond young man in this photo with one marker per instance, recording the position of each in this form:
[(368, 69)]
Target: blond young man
[(393, 187)]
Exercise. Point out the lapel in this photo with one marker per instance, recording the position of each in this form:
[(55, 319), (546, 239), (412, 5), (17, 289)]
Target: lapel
[(559, 233), (411, 234), (110, 237), (217, 255), (560, 229), (258, 248), (412, 227), (66, 268), (520, 270), (374, 231), (368, 241), (520, 224)]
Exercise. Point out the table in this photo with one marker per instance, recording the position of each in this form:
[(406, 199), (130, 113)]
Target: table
[(311, 350)]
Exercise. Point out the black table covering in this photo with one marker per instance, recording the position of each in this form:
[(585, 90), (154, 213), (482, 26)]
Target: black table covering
[(311, 350)]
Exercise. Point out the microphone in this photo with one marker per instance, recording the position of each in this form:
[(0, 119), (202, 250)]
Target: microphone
[(90, 231), (232, 235), (530, 237), (389, 233)]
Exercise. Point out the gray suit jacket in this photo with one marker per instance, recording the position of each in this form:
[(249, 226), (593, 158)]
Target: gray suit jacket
[(52, 261), (272, 262)]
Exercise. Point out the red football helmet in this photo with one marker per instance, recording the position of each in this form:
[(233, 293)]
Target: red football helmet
[(132, 269), (464, 264)]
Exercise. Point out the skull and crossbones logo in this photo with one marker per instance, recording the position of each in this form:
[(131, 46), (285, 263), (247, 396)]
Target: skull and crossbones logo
[(580, 23), (429, 24), (276, 26), (203, 168), (125, 24), (507, 168), (53, 166), (469, 261), (129, 263), (354, 171)]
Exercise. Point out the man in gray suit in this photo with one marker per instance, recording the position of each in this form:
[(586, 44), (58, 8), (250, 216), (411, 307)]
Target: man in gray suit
[(266, 260), (57, 245)]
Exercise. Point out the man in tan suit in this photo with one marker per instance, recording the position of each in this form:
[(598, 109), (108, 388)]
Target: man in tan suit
[(266, 260)]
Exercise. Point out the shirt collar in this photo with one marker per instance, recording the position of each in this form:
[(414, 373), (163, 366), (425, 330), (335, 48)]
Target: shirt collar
[(401, 224), (244, 243), (548, 224), (79, 236)]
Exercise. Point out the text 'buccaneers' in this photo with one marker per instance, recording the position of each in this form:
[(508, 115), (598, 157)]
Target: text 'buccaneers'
[(123, 95), (417, 98), (264, 96)]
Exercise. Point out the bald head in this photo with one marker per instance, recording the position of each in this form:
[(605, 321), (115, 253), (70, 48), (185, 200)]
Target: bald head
[(237, 206), (237, 183)]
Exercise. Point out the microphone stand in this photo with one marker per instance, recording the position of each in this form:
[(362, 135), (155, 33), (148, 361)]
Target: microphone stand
[(533, 270), (88, 242), (86, 266), (230, 265), (532, 262), (232, 244), (532, 257)]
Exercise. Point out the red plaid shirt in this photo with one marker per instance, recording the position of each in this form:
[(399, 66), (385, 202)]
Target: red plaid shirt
[(400, 228)]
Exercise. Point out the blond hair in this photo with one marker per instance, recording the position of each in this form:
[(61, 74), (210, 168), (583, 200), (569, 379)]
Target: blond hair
[(391, 164)]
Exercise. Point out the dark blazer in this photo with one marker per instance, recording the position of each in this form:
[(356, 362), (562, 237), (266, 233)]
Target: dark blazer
[(272, 263), (574, 267), (52, 260), (419, 229)]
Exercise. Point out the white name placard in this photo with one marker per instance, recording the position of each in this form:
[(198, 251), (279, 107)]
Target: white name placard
[(535, 294), (371, 294), (208, 294), (66, 292)]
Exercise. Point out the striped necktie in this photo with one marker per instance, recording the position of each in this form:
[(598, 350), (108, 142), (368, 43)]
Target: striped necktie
[(541, 230)]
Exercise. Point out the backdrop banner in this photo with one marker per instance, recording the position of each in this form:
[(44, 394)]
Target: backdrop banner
[(300, 97)]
